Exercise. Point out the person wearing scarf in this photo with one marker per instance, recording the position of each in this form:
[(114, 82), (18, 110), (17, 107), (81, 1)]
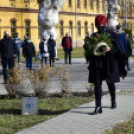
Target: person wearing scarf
[(109, 67), (44, 50)]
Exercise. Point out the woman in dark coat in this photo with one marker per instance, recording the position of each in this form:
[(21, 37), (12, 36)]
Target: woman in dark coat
[(52, 51), (129, 52), (109, 67), (44, 50), (28, 52)]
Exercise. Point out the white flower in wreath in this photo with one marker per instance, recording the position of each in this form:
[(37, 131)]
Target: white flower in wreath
[(98, 46)]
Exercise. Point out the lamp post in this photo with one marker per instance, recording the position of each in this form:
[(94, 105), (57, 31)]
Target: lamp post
[(126, 16), (106, 7), (76, 22)]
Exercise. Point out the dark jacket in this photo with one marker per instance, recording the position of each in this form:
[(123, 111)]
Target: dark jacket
[(41, 47), (123, 40), (52, 45), (28, 50), (8, 48), (110, 67), (64, 43), (129, 49), (84, 46)]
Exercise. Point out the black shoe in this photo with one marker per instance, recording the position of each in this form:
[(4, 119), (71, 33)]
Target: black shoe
[(129, 69), (113, 105), (98, 110)]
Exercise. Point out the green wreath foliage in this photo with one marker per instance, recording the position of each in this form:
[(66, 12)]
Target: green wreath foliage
[(90, 44)]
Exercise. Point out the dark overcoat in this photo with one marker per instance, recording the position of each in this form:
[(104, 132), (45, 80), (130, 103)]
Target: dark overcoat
[(29, 50), (8, 48), (110, 67), (123, 40), (41, 47), (129, 49), (52, 45)]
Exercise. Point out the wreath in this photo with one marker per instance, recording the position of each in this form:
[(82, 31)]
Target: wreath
[(97, 44)]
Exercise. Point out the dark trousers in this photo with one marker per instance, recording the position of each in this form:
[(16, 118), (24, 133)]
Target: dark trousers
[(51, 60), (29, 63), (18, 56), (5, 63), (98, 92), (67, 53), (44, 61), (87, 59), (128, 66)]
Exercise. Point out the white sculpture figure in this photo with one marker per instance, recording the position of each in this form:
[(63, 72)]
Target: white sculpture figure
[(48, 16), (113, 11)]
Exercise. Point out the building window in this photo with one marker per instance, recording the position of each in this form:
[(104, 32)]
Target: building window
[(123, 6), (92, 28), (39, 31), (70, 28), (133, 8), (78, 3), (12, 4), (79, 29), (70, 2), (97, 4), (85, 3), (61, 29), (91, 4), (13, 28), (27, 27), (26, 5), (86, 28), (103, 4)]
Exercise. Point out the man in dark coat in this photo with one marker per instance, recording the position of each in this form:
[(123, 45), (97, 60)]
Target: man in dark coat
[(28, 53), (109, 67), (52, 51), (67, 47), (85, 44), (129, 52), (8, 51), (122, 37)]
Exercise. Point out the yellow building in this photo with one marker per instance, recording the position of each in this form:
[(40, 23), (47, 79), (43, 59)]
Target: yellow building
[(76, 18)]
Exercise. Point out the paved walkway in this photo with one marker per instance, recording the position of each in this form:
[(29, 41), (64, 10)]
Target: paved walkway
[(79, 74), (79, 120)]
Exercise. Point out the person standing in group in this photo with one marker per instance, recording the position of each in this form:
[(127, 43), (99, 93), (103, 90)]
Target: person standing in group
[(84, 46), (18, 43), (44, 50), (52, 52), (28, 53), (129, 51), (67, 47), (122, 37), (8, 51), (109, 67)]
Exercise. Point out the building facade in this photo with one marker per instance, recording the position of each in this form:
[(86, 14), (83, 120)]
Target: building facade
[(76, 17)]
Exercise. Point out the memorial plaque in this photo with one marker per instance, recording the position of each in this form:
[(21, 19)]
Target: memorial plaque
[(30, 105)]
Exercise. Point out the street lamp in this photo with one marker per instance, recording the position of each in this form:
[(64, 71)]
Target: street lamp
[(76, 22)]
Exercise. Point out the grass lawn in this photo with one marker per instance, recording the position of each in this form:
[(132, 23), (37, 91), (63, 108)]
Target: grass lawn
[(12, 121), (126, 127), (76, 53)]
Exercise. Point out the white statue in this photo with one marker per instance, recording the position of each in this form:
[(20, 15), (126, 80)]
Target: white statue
[(48, 16), (113, 11)]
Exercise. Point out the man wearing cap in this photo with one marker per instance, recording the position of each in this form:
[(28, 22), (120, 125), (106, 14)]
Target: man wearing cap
[(18, 43), (109, 67), (8, 51)]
